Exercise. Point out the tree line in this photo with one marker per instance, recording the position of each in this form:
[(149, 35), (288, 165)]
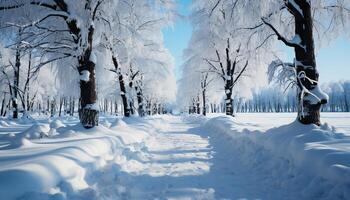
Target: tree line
[(275, 99)]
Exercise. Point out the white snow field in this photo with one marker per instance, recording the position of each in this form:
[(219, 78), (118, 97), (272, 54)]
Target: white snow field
[(251, 156)]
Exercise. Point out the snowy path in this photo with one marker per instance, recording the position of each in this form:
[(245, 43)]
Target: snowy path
[(181, 161)]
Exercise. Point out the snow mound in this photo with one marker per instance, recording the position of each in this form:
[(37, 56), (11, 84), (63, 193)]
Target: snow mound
[(48, 167), (195, 118), (3, 123), (118, 123), (106, 123), (26, 119), (36, 131), (56, 124), (22, 139), (319, 153)]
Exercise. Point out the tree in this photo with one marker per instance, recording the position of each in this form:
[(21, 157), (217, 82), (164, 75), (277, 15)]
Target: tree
[(298, 20), (229, 72), (139, 56), (224, 52)]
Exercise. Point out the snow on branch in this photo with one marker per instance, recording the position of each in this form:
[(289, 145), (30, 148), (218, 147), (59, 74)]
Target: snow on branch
[(295, 42), (282, 72)]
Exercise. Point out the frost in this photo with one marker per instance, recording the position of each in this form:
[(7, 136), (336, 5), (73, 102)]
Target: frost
[(85, 76)]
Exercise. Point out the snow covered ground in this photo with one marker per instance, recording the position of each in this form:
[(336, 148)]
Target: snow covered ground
[(254, 156)]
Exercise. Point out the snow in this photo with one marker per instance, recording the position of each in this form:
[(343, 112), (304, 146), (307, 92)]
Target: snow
[(85, 76), (319, 153), (252, 156), (93, 58), (50, 165), (297, 40), (317, 96), (92, 106)]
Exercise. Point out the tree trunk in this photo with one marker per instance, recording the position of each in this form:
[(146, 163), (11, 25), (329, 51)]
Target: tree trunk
[(131, 107), (70, 106), (229, 102), (131, 100), (346, 102), (53, 108), (60, 108), (116, 107), (122, 87), (88, 112), (7, 107), (73, 108), (140, 108), (309, 107), (149, 107), (16, 84), (204, 111), (154, 109), (26, 95), (3, 105)]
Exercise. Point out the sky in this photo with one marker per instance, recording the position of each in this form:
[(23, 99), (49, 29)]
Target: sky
[(176, 38), (333, 60)]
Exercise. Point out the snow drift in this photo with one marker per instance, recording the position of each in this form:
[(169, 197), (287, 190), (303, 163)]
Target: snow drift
[(57, 161), (319, 154)]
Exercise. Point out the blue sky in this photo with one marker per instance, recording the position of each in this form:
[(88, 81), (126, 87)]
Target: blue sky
[(333, 60), (177, 37)]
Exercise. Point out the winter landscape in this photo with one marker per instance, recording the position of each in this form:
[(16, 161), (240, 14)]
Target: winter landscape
[(174, 99)]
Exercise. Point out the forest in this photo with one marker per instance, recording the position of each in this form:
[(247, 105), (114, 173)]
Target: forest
[(95, 105)]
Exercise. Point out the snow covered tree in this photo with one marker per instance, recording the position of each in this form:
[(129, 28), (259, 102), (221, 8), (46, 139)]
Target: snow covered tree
[(294, 22), (224, 51), (229, 72), (72, 28), (137, 49)]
